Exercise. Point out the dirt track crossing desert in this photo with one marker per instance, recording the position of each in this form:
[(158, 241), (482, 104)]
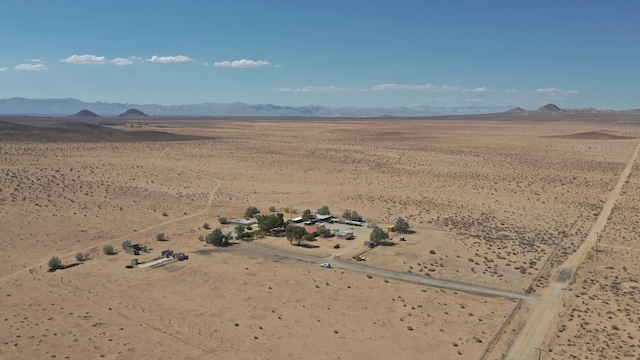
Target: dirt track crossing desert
[(499, 211), (545, 310)]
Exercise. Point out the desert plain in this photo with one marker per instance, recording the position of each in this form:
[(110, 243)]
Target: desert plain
[(493, 204)]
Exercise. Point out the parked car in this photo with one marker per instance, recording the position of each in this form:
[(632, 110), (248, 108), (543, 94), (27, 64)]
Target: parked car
[(325, 265)]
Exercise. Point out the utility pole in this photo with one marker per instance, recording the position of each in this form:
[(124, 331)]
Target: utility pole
[(597, 238)]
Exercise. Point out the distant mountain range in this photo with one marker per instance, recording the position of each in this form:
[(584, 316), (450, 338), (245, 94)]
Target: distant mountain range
[(69, 106), (72, 107)]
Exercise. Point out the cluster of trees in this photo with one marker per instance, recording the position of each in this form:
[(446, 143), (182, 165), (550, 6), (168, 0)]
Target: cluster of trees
[(218, 238), (251, 210), (241, 232), (266, 223), (306, 215), (351, 215), (323, 232), (379, 237), (56, 263), (295, 234), (401, 226)]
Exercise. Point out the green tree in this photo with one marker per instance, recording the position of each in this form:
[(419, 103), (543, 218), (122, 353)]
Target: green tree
[(378, 235), (401, 226), (351, 215), (80, 256), (126, 244), (306, 215), (239, 229), (323, 232), (206, 226), (323, 211), (161, 237), (272, 208), (218, 238), (295, 234), (251, 210), (108, 250), (266, 223), (223, 220), (308, 237), (54, 263)]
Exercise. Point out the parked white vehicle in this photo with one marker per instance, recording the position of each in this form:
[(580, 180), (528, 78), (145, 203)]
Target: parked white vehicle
[(325, 265)]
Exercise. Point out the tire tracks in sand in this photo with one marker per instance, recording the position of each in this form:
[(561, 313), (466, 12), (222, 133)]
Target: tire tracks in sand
[(545, 311), (138, 231)]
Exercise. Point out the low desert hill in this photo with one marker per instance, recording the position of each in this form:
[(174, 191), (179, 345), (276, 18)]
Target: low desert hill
[(549, 108), (83, 132), (592, 135), (85, 114), (133, 113)]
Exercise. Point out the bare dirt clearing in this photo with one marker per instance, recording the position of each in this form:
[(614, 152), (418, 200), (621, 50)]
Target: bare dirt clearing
[(489, 202)]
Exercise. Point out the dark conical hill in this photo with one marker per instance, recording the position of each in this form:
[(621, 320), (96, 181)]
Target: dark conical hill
[(133, 113), (85, 114)]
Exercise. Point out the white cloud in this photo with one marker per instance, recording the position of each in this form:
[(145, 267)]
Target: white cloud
[(306, 89), (35, 60), (169, 59), (556, 91), (511, 91), (3, 69), (30, 67), (85, 59), (480, 89), (242, 63), (425, 87), (121, 61)]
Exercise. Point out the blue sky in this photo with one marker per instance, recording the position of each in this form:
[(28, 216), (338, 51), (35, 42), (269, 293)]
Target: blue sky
[(333, 53)]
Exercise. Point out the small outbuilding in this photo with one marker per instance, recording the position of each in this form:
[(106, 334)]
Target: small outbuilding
[(135, 249), (323, 217), (245, 222)]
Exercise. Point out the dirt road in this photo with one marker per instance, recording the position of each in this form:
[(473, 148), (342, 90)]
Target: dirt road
[(252, 249), (545, 311)]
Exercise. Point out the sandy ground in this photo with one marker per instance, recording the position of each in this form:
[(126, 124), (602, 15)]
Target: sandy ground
[(547, 308), (599, 317), (490, 203)]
